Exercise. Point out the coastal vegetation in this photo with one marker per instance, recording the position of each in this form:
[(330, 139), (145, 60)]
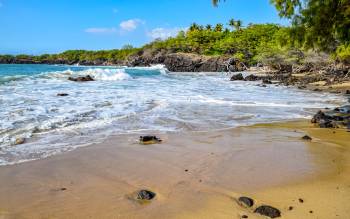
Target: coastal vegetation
[(318, 28)]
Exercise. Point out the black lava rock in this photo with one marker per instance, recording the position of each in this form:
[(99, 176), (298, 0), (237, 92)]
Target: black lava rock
[(246, 201), (149, 139), (237, 77), (268, 211), (306, 138), (81, 78), (251, 78), (145, 195), (267, 81)]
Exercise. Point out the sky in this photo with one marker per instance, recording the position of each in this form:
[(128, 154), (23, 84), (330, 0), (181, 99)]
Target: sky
[(52, 26)]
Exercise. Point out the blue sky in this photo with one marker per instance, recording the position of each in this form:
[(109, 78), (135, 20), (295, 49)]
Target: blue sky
[(50, 26)]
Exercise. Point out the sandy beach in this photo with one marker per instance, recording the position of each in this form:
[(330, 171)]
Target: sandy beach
[(194, 175)]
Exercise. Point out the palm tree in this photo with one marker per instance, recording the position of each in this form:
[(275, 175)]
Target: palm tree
[(219, 27), (194, 27), (232, 23), (208, 27), (238, 24), (215, 2)]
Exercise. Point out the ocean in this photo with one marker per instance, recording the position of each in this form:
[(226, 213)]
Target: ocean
[(132, 100)]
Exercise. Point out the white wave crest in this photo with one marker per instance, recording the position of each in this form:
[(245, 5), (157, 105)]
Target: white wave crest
[(107, 74), (99, 74), (159, 67)]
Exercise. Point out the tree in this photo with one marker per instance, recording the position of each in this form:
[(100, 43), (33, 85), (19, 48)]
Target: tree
[(321, 24), (208, 27), (215, 2), (231, 23), (219, 28), (238, 24), (194, 26)]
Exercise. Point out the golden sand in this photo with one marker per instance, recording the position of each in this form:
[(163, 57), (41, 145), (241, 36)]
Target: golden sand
[(195, 175)]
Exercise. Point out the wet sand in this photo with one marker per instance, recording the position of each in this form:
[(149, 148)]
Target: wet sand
[(195, 175)]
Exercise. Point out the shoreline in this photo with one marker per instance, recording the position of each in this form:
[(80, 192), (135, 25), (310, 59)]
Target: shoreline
[(267, 162)]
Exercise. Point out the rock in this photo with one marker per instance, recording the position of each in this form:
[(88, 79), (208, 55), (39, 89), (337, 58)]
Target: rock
[(301, 200), (268, 211), (336, 118), (81, 78), (149, 140), (251, 78), (267, 81), (306, 138), (62, 94), (244, 216), (290, 208), (237, 77), (145, 195), (245, 201), (20, 141), (320, 116), (347, 92)]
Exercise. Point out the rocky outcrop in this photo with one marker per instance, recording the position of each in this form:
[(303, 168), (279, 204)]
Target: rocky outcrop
[(336, 118), (186, 62)]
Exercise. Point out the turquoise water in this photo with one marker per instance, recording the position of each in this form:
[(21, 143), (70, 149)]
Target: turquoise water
[(124, 100)]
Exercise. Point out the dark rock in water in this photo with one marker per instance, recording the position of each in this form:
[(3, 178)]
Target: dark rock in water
[(317, 90), (268, 211), (81, 78), (267, 81), (248, 202), (251, 78), (306, 138), (237, 77), (347, 92), (62, 94), (145, 195), (149, 140)]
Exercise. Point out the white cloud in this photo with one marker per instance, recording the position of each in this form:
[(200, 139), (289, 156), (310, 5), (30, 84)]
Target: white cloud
[(100, 30), (164, 33), (130, 25)]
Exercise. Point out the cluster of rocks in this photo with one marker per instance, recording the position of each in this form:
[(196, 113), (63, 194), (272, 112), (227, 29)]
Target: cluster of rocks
[(185, 62), (264, 210), (335, 118)]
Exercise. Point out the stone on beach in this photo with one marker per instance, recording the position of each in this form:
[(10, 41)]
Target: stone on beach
[(268, 211), (336, 118), (145, 195), (245, 201), (149, 140), (306, 138)]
